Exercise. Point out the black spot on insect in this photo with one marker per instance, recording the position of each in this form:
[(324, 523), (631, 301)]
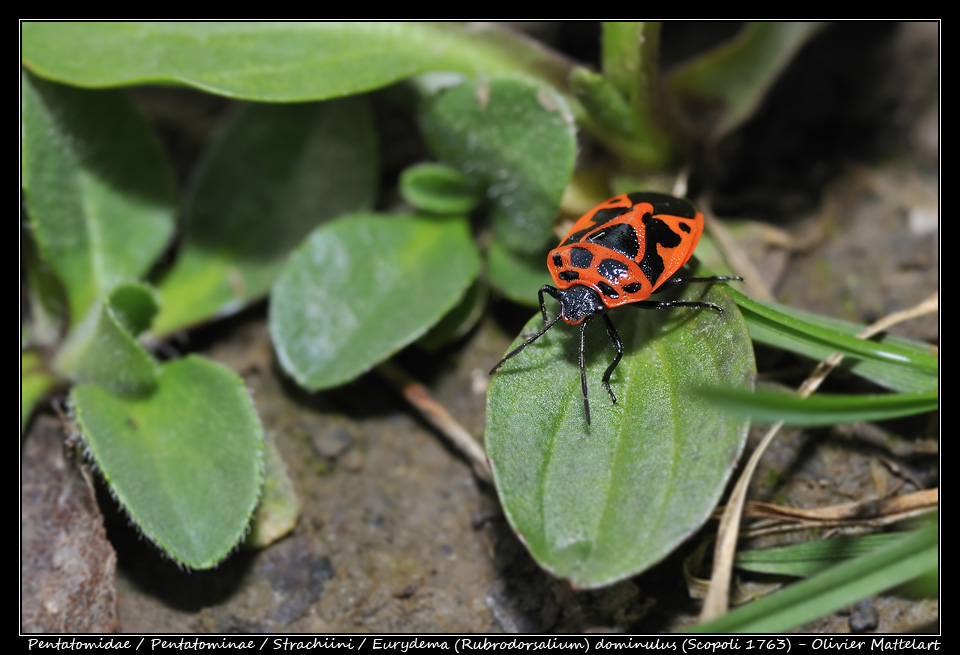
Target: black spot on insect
[(606, 215), (557, 260), (607, 290), (664, 204), (612, 269), (568, 276), (633, 287), (620, 237), (599, 218), (581, 257), (660, 233)]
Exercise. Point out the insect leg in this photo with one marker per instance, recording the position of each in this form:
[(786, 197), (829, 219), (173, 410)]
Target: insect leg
[(666, 304), (669, 304), (583, 368), (695, 280), (546, 288), (615, 339)]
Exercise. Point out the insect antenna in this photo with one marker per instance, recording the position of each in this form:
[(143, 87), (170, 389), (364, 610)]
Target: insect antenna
[(527, 343)]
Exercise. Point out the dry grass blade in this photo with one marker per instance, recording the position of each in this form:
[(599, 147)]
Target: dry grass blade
[(925, 499), (738, 259), (776, 519), (418, 396)]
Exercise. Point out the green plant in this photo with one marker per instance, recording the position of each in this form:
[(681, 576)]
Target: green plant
[(281, 205)]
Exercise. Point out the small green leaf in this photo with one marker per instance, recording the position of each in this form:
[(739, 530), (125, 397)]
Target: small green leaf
[(518, 277), (913, 555), (35, 382), (609, 111), (277, 172), (279, 508), (811, 557), (516, 139), (99, 191), (45, 323), (278, 62), (184, 460), (361, 288), (103, 348), (893, 362), (737, 75), (599, 503), (439, 189), (821, 409)]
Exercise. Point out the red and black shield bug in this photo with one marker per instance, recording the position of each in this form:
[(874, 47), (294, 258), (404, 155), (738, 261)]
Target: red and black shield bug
[(618, 253)]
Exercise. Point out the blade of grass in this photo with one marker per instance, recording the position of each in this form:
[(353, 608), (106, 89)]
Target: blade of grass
[(792, 324), (769, 406), (811, 557)]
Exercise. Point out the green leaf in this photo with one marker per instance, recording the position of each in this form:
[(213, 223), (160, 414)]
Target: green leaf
[(439, 189), (599, 503), (45, 323), (459, 320), (35, 382), (361, 288), (822, 409), (893, 362), (277, 172), (518, 277), (99, 191), (516, 139), (811, 557), (909, 557), (279, 508), (184, 460), (103, 348), (278, 62), (736, 76), (625, 106)]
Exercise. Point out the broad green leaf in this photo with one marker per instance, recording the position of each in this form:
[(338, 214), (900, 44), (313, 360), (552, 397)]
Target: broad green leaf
[(913, 555), (103, 348), (100, 194), (439, 189), (276, 173), (361, 288), (599, 503), (736, 76), (811, 557), (514, 138), (35, 382), (518, 277), (893, 362), (278, 62), (184, 460), (822, 409)]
